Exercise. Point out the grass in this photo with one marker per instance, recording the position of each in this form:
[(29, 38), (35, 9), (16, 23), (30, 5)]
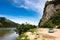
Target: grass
[(31, 30), (23, 37)]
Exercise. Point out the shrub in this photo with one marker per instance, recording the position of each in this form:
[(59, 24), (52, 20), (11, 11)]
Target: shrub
[(24, 27), (23, 37), (48, 25)]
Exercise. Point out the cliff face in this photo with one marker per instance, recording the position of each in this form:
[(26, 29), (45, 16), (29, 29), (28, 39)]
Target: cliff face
[(51, 7)]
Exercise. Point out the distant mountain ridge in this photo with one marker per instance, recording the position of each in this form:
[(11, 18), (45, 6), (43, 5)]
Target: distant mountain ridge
[(4, 22)]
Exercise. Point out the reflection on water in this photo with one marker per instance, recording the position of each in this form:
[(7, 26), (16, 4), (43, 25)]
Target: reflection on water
[(8, 34)]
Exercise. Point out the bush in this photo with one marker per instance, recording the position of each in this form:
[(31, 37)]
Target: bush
[(24, 27), (58, 27), (56, 19), (48, 25), (23, 37), (31, 30)]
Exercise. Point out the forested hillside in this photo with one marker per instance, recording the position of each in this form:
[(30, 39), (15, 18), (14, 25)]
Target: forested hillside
[(6, 23)]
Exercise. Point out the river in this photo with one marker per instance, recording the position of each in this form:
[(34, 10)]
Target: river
[(8, 34)]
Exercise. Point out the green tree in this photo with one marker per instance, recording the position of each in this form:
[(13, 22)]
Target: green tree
[(24, 27), (48, 25), (56, 19)]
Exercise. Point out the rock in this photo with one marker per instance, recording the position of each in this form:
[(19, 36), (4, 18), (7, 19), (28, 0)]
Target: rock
[(51, 7)]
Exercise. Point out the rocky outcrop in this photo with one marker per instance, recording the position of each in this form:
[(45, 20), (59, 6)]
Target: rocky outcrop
[(51, 7)]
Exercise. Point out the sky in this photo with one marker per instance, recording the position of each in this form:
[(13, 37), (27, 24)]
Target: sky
[(22, 11)]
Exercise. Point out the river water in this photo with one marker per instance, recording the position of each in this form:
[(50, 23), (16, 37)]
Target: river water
[(8, 34)]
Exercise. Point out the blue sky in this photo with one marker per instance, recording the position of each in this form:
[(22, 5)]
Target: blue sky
[(21, 11)]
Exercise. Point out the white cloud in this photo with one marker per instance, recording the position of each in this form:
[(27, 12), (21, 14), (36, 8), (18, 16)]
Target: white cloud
[(24, 20), (35, 5), (21, 20)]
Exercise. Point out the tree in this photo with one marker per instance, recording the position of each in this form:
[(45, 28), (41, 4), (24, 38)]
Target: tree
[(56, 18), (48, 25), (24, 27)]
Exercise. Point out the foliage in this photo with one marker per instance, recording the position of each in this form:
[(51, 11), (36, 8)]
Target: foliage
[(7, 23), (31, 30), (48, 25), (23, 37), (58, 27), (24, 27), (56, 19)]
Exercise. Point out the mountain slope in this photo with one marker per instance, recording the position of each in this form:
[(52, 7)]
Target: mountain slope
[(7, 23)]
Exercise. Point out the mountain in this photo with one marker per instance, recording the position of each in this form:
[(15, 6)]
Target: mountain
[(51, 13), (4, 22)]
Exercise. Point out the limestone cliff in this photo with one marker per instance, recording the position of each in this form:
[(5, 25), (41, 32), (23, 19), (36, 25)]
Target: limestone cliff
[(51, 7)]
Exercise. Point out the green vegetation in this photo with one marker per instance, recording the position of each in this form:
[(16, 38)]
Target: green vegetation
[(54, 21), (20, 28), (23, 37), (48, 25), (56, 18), (31, 30), (5, 23), (24, 27)]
